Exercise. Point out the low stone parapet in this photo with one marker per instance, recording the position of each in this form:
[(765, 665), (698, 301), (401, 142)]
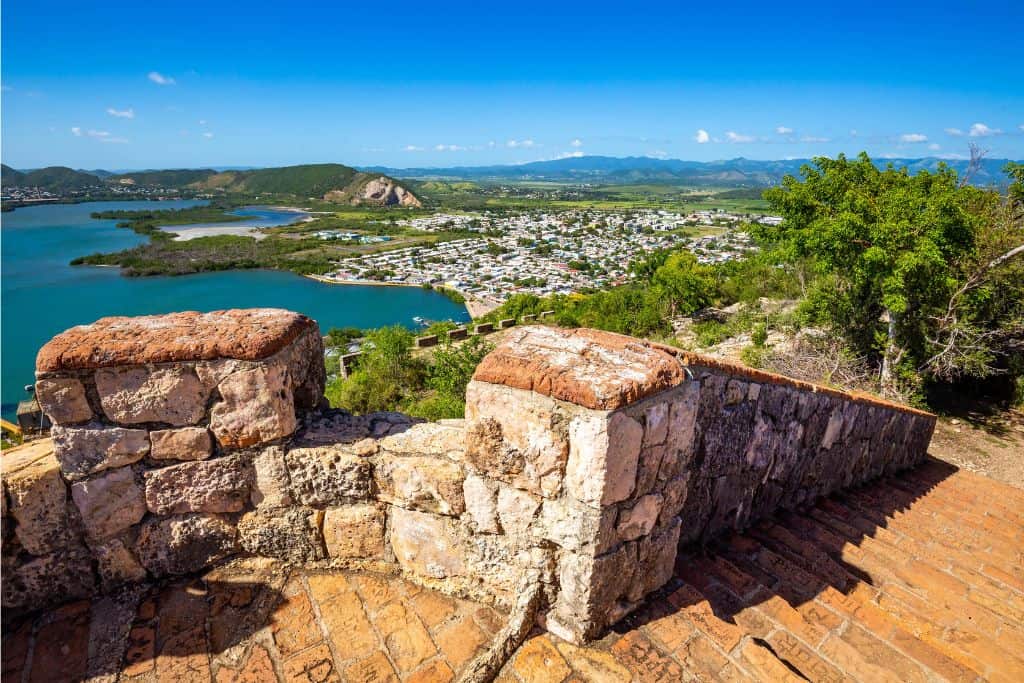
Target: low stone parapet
[(585, 459)]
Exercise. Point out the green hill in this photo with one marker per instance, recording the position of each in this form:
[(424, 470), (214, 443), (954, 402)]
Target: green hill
[(179, 177), (310, 180), (51, 178)]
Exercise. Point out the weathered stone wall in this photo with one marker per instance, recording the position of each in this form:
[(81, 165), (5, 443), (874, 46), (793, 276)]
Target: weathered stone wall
[(585, 458)]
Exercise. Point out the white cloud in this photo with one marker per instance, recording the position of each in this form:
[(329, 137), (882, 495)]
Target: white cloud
[(733, 136), (783, 130), (448, 148), (207, 135), (935, 147), (412, 148), (527, 143), (980, 130), (76, 131), (492, 143), (116, 141), (955, 132), (911, 138), (658, 154), (1021, 126), (702, 136), (159, 78), (128, 113), (202, 122), (575, 154), (579, 143), (814, 138), (98, 134), (853, 132)]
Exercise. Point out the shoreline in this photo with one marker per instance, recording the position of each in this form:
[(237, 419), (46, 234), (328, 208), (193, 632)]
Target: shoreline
[(474, 307)]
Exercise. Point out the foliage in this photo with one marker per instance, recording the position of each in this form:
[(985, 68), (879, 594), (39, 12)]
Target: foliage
[(385, 375), (340, 337), (907, 265)]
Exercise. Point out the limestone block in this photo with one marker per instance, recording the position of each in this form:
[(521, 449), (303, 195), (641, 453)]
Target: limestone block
[(421, 483), (184, 543), (481, 498), (427, 438), (604, 450), (109, 503), (93, 448), (590, 590), (638, 520), (187, 443), (576, 526), (219, 485), (116, 564), (656, 423), (48, 579), (675, 493), (656, 558), (324, 476), (135, 395), (516, 436), (257, 407), (292, 534), (516, 510), (355, 532), (424, 546), (63, 400), (271, 487), (212, 372), (37, 497), (681, 430)]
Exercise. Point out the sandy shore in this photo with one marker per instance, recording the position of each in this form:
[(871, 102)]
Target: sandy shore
[(184, 233), (475, 307)]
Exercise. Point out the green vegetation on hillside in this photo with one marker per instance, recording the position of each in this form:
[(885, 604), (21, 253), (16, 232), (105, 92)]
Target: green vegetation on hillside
[(52, 178), (170, 178), (148, 221), (310, 180)]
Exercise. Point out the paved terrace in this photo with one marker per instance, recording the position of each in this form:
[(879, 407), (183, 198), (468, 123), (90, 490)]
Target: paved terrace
[(918, 577)]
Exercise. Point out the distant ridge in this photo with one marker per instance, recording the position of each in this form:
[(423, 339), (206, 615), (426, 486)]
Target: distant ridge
[(334, 182), (737, 172)]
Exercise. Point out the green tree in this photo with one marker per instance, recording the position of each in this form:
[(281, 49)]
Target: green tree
[(386, 373), (897, 254), (686, 284)]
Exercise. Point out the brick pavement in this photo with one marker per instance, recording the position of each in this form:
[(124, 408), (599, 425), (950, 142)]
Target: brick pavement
[(918, 577)]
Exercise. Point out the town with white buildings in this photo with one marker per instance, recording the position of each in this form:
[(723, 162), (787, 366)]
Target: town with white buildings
[(545, 253)]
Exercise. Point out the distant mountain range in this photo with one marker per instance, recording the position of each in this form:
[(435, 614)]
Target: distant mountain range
[(332, 181), (738, 172)]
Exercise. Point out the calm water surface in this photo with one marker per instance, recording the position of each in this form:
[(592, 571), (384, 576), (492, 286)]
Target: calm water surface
[(42, 295)]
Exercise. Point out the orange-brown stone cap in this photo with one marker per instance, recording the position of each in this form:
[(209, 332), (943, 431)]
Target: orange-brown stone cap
[(243, 334), (594, 369)]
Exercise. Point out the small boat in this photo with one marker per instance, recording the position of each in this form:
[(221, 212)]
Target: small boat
[(418, 320)]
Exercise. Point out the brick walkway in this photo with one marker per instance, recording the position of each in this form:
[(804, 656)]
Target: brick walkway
[(252, 625), (915, 578)]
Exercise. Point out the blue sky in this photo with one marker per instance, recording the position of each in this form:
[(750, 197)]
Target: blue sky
[(137, 85)]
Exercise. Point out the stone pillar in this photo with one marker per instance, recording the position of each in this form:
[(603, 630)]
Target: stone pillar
[(153, 418), (590, 430)]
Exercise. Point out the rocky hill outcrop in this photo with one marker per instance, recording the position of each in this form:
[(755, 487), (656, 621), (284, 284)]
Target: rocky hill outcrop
[(381, 190)]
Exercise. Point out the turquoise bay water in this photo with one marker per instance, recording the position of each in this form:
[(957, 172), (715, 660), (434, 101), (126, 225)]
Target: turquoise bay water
[(41, 295)]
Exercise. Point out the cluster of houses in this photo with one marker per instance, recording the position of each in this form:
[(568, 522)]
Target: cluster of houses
[(540, 253)]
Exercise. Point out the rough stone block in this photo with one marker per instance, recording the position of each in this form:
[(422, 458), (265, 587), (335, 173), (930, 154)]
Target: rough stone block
[(604, 450), (576, 526), (136, 395), (516, 436), (292, 534), (426, 438), (37, 497), (185, 543), (271, 487), (638, 520), (63, 400), (355, 532), (481, 498), (187, 443), (424, 545), (257, 407), (421, 483), (51, 578), (326, 476), (220, 485), (109, 503), (516, 510), (93, 448), (116, 564)]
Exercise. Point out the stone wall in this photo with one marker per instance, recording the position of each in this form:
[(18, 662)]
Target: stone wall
[(585, 458)]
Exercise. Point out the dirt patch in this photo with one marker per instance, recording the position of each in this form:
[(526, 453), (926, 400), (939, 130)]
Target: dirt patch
[(992, 445)]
